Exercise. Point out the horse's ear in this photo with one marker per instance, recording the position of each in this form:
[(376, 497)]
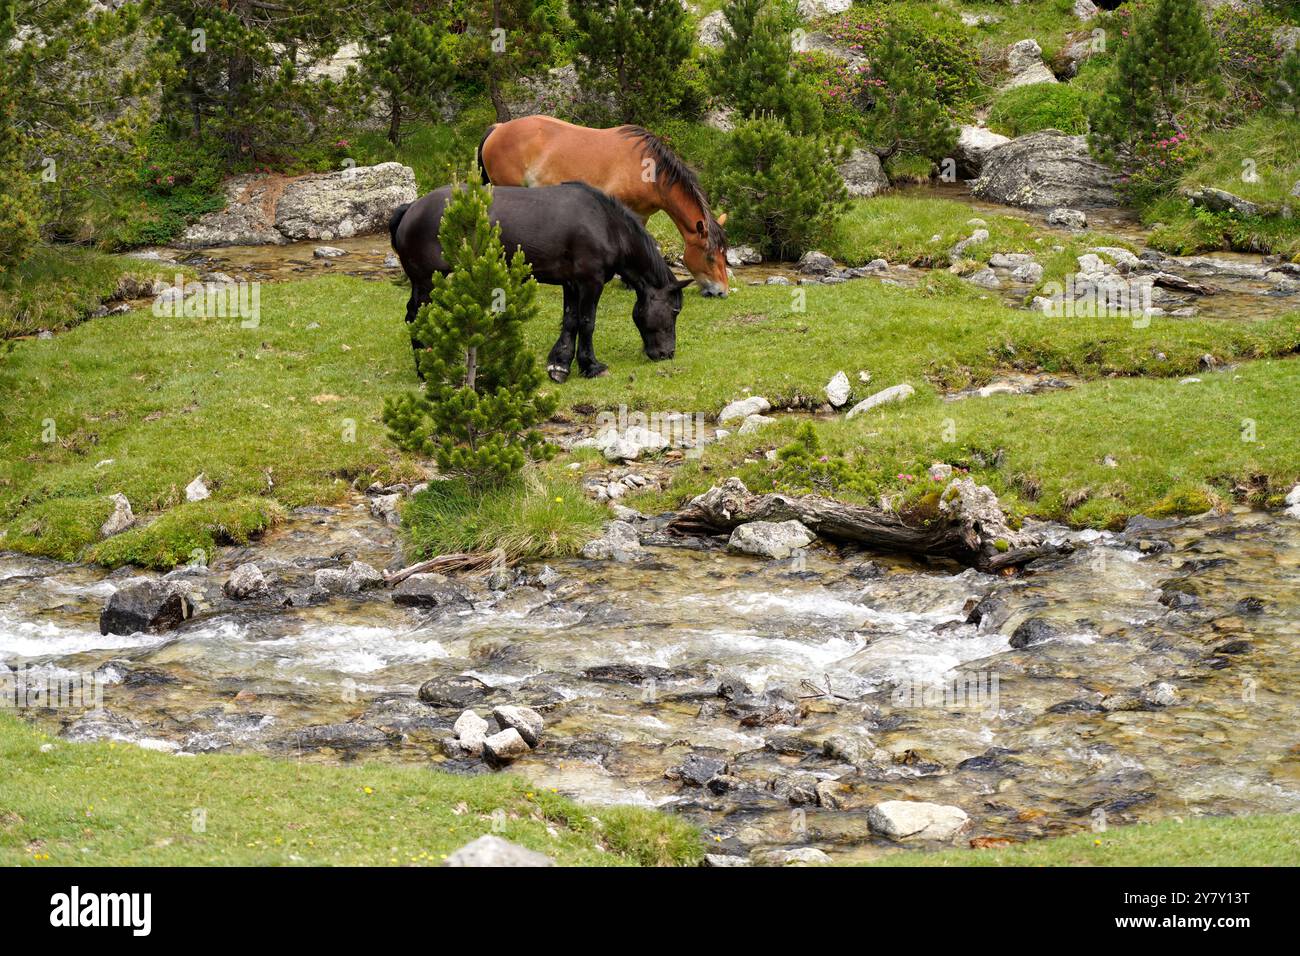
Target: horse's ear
[(699, 227), (683, 283), (722, 220)]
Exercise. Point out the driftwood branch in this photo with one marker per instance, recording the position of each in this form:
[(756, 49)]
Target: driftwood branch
[(460, 561), (969, 528)]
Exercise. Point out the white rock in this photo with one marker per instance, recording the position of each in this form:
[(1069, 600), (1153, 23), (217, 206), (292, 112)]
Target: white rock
[(197, 490), (1025, 63), (506, 745), (813, 9), (245, 581), (1085, 9), (327, 252), (120, 519), (838, 389), (1072, 218), (742, 408), (985, 279), (471, 730), (912, 819), (753, 423), (974, 239), (743, 256), (489, 850), (712, 31), (384, 507), (525, 720), (792, 856), (1293, 502), (1030, 273), (770, 539), (895, 393)]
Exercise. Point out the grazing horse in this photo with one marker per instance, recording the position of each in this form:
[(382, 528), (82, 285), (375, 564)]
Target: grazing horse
[(573, 236), (628, 162)]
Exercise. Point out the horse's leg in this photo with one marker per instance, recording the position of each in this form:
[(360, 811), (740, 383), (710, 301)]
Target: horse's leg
[(420, 291), (561, 357), (589, 299)]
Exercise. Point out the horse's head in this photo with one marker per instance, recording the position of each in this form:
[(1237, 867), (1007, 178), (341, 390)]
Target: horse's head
[(706, 256), (655, 315)]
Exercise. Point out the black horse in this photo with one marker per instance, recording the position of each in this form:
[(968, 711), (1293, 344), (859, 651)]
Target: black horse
[(573, 236)]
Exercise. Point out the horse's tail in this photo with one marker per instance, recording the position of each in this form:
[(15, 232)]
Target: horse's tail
[(395, 220), (482, 170)]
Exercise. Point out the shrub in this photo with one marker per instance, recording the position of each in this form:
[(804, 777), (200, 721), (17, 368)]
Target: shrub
[(481, 401), (754, 71), (782, 191), (906, 117), (1248, 55), (1028, 109), (630, 53)]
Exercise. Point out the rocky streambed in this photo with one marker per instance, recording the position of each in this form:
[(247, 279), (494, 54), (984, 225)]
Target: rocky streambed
[(785, 705)]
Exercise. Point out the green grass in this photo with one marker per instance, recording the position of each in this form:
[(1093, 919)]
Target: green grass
[(284, 415), (58, 286), (1259, 161), (109, 804), (1028, 109), (1178, 449), (539, 516), (1198, 841), (437, 152)]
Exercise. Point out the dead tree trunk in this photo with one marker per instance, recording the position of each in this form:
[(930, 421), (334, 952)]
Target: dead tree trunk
[(969, 528)]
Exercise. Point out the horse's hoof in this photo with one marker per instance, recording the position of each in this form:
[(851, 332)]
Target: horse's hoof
[(558, 373), (596, 371)]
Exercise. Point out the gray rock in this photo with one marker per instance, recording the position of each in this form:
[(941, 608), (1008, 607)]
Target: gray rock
[(347, 736), (914, 820), (978, 237), (505, 746), (1046, 169), (743, 256), (1026, 66), (489, 850), (1035, 630), (1071, 218), (724, 859), (742, 408), (1030, 273), (197, 490), (1085, 9), (769, 539), (985, 279), (698, 769), (525, 720), (791, 856), (630, 444), (471, 730), (838, 390), (1220, 200), (620, 542), (862, 174), (148, 606), (815, 9), (460, 691), (429, 590), (328, 252), (386, 508), (979, 19), (1293, 502), (753, 423), (712, 31), (121, 518), (895, 393), (244, 582), (814, 263), (974, 143)]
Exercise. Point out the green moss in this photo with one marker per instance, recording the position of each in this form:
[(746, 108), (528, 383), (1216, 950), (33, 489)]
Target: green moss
[(1028, 109), (188, 533)]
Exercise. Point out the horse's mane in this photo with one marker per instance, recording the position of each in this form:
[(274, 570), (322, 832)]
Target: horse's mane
[(674, 172), (637, 232)]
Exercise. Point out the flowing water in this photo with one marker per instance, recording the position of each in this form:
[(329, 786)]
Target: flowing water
[(1132, 712)]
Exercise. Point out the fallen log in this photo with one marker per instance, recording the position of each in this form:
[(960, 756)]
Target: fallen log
[(969, 526), (460, 561)]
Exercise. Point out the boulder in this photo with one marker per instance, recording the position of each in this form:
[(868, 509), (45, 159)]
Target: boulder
[(912, 819), (862, 174), (791, 856), (1220, 200), (245, 581), (327, 252), (505, 746), (1026, 66), (1070, 218), (838, 390), (620, 542), (770, 539), (712, 30), (698, 769), (429, 590), (386, 508), (146, 606), (489, 850), (895, 393), (742, 408), (471, 730), (743, 256), (630, 444), (271, 209), (525, 720), (985, 279), (1085, 9), (459, 691), (815, 9), (1030, 273), (814, 263), (120, 519), (1046, 169), (753, 423), (1035, 630), (974, 143)]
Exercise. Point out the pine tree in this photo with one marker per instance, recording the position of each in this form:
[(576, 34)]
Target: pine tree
[(17, 190), (1160, 71), (906, 116), (502, 42), (407, 58), (481, 401), (1289, 80), (630, 53), (781, 191), (754, 72)]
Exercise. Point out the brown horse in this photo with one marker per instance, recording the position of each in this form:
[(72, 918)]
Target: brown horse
[(627, 162)]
